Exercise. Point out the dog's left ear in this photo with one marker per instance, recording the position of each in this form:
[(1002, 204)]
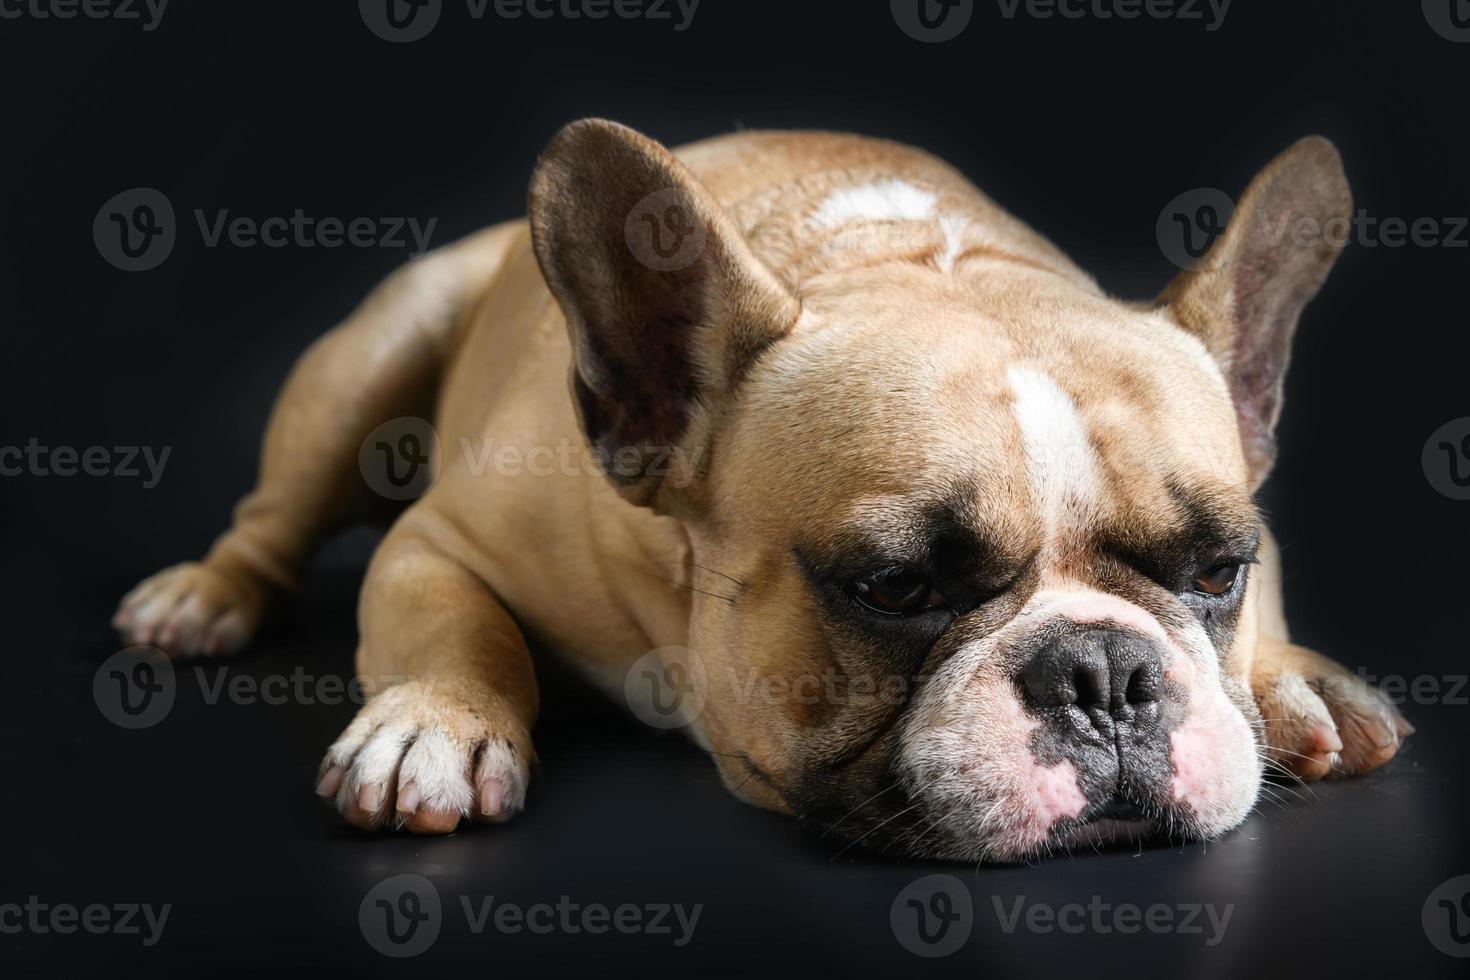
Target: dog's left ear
[(665, 303), (1244, 298)]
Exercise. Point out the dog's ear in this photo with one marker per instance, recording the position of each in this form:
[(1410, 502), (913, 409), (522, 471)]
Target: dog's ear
[(1244, 298), (665, 303)]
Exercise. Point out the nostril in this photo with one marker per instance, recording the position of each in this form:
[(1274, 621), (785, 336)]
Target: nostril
[(1143, 684), (1083, 687), (1068, 675), (1091, 687)]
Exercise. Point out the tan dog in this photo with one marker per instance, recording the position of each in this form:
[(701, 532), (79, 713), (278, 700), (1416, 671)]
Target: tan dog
[(958, 554)]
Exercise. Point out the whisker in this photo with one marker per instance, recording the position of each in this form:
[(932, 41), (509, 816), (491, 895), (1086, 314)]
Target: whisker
[(677, 584), (716, 571), (855, 809), (855, 840), (706, 568)]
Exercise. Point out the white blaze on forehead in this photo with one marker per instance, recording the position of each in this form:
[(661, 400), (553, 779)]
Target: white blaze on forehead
[(885, 200), (1060, 462)]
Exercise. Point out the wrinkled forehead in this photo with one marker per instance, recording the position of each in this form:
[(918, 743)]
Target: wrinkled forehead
[(895, 419)]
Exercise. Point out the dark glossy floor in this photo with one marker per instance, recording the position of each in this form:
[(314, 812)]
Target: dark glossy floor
[(210, 811)]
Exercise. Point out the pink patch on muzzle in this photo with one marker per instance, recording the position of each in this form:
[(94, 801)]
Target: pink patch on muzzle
[(1213, 754), (1043, 795)]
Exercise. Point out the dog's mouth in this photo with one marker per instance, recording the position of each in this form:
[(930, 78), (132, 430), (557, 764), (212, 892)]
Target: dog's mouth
[(1114, 822), (1119, 809)]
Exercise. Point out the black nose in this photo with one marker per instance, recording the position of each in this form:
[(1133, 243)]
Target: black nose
[(1102, 672)]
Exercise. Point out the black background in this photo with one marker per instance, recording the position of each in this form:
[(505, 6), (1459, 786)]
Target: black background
[(1084, 128)]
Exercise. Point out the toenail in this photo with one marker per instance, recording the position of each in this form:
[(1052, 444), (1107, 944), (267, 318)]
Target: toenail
[(330, 782), (1326, 739), (369, 798), (408, 798), (490, 797)]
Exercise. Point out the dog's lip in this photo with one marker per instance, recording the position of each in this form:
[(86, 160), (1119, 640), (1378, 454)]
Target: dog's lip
[(1102, 828), (1119, 808)]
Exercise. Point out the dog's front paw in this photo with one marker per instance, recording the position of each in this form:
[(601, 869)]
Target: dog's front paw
[(425, 754), (191, 609), (1321, 719)]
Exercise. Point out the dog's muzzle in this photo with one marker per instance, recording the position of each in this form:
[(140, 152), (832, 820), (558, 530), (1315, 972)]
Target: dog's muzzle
[(1100, 694)]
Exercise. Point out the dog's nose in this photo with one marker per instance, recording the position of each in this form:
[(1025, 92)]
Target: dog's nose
[(1106, 673)]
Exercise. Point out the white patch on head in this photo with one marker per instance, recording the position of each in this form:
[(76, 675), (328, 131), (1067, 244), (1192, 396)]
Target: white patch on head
[(885, 200), (1060, 462), (954, 227)]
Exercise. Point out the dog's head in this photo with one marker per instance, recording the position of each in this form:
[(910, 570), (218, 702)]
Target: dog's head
[(973, 541)]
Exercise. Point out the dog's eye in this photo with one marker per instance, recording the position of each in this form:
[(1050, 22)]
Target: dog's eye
[(1217, 579), (897, 595)]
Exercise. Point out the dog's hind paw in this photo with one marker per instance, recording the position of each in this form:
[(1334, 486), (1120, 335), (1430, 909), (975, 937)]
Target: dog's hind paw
[(1321, 719), (423, 755), (191, 609)]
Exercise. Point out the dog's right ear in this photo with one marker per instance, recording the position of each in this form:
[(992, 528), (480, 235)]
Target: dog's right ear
[(665, 303)]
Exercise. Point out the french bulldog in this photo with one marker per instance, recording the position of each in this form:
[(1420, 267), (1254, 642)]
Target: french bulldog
[(943, 549)]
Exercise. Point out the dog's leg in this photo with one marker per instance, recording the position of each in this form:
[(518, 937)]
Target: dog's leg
[(1321, 719), (385, 361), (450, 738)]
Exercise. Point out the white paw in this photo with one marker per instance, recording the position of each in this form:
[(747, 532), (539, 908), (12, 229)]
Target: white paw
[(425, 755), (1323, 720), (190, 609)]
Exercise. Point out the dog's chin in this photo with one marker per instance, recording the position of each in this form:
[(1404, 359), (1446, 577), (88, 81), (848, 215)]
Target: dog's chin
[(1098, 832), (1105, 832), (1092, 835)]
